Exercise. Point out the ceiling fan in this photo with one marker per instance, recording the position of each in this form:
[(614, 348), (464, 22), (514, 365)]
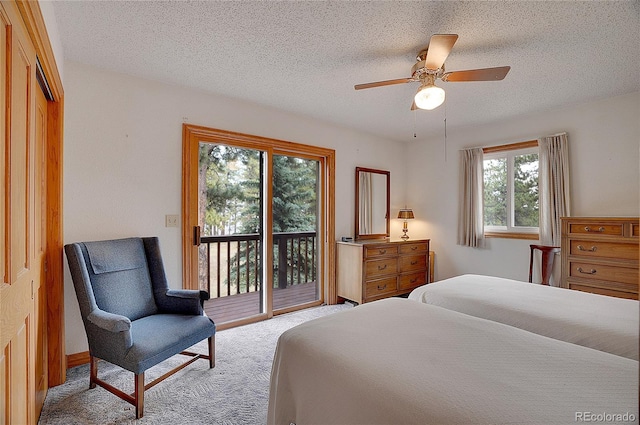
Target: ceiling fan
[(429, 66)]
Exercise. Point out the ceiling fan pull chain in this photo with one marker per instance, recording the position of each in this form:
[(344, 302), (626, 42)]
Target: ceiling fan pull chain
[(414, 124), (445, 132)]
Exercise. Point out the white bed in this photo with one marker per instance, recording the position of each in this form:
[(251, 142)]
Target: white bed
[(596, 321), (396, 361)]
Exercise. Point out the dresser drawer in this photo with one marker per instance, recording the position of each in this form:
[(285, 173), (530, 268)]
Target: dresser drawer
[(381, 267), (379, 287), (600, 249), (413, 280), (635, 230), (413, 262), (380, 251), (604, 291), (606, 272), (414, 248), (595, 228)]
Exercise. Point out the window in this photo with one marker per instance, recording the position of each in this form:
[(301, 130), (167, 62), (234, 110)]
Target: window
[(511, 206)]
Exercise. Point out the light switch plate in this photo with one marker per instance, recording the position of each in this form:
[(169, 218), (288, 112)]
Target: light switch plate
[(171, 220)]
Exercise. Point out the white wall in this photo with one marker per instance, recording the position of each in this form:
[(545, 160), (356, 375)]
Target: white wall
[(46, 8), (122, 167), (604, 145), (123, 159)]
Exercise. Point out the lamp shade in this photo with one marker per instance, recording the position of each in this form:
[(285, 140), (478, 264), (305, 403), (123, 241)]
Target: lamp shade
[(429, 97), (406, 214)]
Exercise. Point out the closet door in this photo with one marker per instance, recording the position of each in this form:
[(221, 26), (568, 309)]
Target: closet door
[(20, 235), (40, 294)]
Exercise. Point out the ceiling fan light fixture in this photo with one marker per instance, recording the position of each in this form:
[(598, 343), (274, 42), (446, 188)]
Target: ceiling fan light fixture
[(429, 97)]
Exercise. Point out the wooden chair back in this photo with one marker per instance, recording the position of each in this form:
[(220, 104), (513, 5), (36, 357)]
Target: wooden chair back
[(548, 254)]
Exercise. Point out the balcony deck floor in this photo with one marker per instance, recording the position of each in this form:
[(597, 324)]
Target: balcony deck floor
[(235, 307)]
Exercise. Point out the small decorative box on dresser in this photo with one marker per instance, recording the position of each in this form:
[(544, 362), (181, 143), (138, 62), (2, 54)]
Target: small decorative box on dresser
[(369, 271), (600, 255)]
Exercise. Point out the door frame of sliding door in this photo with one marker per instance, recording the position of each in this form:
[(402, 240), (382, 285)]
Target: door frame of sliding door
[(192, 135)]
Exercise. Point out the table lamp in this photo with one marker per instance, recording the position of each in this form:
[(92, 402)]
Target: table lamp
[(405, 214)]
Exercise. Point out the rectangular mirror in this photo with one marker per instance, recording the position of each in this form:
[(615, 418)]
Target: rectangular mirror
[(372, 203)]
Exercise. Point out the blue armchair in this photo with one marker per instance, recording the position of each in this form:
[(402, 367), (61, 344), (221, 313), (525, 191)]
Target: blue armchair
[(131, 317)]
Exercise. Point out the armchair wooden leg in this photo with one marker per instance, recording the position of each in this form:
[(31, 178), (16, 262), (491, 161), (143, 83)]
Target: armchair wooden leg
[(139, 394), (94, 372), (137, 397), (212, 351)]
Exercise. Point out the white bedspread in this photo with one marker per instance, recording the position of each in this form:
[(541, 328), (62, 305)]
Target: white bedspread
[(397, 362), (596, 321)]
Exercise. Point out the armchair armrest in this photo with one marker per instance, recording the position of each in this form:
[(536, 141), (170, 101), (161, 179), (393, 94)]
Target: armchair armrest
[(182, 301), (172, 301), (109, 321)]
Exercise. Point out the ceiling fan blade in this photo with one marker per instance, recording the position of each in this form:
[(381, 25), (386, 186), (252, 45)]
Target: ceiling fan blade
[(439, 47), (484, 74), (382, 83)]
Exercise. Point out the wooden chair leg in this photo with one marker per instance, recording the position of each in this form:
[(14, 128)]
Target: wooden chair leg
[(137, 398), (139, 394), (531, 265), (212, 351), (548, 258), (94, 372)]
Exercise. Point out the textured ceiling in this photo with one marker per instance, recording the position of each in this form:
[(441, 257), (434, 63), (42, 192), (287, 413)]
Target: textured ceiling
[(305, 57)]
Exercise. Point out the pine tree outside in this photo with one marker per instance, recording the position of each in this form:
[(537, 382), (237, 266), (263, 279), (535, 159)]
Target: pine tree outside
[(526, 197), (230, 208)]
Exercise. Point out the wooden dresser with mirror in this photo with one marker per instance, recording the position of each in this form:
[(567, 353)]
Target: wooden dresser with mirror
[(373, 267), (600, 255)]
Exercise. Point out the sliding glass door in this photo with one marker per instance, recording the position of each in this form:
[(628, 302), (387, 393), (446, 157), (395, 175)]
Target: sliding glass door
[(252, 227), (231, 231), (295, 228)]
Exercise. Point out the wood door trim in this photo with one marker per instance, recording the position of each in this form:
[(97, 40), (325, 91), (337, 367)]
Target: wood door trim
[(36, 28), (34, 22)]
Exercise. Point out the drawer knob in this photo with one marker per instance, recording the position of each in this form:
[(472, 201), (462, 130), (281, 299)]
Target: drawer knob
[(598, 230), (382, 251), (414, 280), (413, 248), (380, 288), (414, 262), (382, 267), (592, 249), (592, 271)]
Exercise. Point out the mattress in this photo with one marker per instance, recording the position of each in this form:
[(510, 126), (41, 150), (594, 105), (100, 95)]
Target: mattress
[(596, 321), (396, 361)]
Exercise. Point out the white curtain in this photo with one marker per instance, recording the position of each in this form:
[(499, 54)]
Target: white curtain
[(366, 204), (553, 181), (470, 215)]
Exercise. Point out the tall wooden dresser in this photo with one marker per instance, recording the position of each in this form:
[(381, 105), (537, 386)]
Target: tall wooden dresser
[(600, 255), (369, 271)]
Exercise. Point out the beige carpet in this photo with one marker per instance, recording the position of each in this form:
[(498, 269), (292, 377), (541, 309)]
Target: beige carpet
[(235, 392)]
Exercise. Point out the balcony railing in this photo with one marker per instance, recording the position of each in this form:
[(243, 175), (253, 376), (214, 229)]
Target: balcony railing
[(231, 265)]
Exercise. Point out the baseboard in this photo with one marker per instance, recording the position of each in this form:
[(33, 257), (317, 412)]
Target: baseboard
[(77, 359)]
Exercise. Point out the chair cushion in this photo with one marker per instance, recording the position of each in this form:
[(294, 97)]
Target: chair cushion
[(120, 277), (158, 337)]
